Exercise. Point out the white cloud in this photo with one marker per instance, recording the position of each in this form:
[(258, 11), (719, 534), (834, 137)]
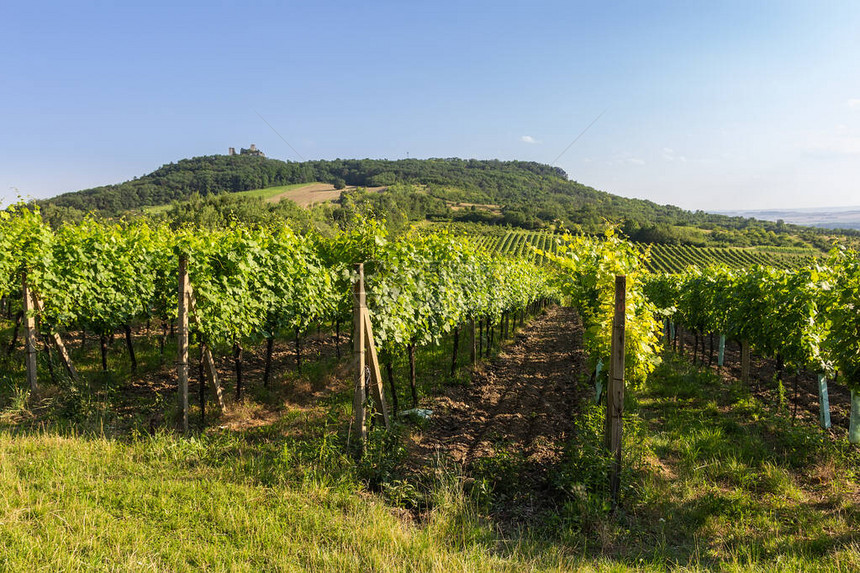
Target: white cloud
[(854, 103), (669, 155), (636, 161), (529, 139)]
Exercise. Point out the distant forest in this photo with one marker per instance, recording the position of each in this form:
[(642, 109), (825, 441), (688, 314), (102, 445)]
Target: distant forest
[(515, 193)]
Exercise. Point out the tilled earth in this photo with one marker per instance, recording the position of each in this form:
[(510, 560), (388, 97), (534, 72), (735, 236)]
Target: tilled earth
[(518, 407)]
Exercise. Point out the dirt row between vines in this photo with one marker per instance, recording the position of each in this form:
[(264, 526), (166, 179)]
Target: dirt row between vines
[(520, 405)]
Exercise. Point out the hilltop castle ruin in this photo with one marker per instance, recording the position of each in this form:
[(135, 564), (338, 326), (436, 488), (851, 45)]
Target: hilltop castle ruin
[(243, 151)]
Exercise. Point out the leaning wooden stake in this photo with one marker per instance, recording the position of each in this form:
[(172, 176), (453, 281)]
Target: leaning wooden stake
[(376, 387), (58, 342), (212, 375), (182, 338), (208, 360), (30, 333), (366, 362), (615, 392), (745, 361), (360, 394)]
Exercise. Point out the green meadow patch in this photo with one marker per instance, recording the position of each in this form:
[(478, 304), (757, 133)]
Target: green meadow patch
[(713, 480)]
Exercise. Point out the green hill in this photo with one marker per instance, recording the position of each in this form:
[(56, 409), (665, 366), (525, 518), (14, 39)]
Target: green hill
[(516, 193), (209, 175)]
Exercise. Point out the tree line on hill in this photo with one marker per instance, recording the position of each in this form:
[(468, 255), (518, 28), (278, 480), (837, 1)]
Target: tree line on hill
[(516, 193)]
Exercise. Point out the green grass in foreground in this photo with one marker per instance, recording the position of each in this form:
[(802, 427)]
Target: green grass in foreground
[(158, 504), (286, 496), (730, 485), (713, 481)]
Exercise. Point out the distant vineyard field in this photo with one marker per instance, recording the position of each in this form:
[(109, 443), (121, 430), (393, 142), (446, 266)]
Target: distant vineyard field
[(518, 244), (676, 258), (663, 258)]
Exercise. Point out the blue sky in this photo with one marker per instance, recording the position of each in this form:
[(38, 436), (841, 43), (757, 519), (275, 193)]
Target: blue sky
[(708, 105)]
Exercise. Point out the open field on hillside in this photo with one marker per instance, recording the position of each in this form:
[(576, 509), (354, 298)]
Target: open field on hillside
[(270, 193), (460, 206), (304, 194)]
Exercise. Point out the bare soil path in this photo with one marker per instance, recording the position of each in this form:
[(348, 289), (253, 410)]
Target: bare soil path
[(520, 406)]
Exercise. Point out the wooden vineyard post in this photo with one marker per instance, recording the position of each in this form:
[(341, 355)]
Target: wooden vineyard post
[(366, 362), (360, 395), (182, 338), (30, 333), (745, 361), (615, 391)]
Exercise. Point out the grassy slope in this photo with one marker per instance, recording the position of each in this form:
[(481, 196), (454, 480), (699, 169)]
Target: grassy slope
[(261, 193), (714, 481), (164, 504), (270, 192), (91, 494), (732, 483)]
